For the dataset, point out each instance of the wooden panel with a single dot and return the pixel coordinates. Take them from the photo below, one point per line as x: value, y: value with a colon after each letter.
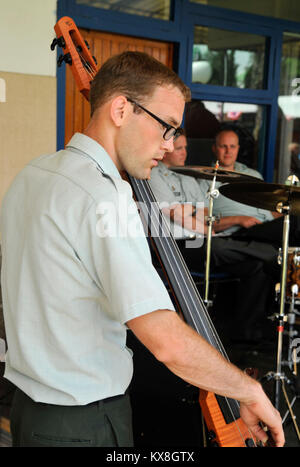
x: 104, y: 46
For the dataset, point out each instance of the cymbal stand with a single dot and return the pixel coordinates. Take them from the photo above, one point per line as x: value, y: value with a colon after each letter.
x: 279, y: 377
x: 212, y: 194
x: 284, y: 209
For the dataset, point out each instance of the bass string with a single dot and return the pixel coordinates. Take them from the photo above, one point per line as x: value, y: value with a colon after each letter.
x: 214, y: 340
x: 87, y: 66
x: 185, y: 278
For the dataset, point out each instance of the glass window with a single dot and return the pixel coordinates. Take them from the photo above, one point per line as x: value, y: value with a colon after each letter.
x: 155, y: 9
x: 283, y: 9
x: 288, y: 132
x: 228, y: 58
x: 204, y: 118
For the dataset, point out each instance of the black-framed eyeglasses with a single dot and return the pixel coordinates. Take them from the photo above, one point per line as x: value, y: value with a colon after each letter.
x: 171, y: 131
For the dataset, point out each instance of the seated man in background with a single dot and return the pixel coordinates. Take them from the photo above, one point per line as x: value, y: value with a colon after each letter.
x: 182, y: 193
x: 241, y: 259
x: 234, y: 215
x: 239, y: 220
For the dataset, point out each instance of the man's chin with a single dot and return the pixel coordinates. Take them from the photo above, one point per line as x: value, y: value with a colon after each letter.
x: 142, y: 176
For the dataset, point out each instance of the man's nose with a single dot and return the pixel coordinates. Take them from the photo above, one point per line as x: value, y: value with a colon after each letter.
x: 168, y: 145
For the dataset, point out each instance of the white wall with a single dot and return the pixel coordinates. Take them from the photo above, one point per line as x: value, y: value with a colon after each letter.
x: 26, y: 32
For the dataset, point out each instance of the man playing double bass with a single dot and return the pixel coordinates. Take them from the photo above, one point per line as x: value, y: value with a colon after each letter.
x: 70, y: 291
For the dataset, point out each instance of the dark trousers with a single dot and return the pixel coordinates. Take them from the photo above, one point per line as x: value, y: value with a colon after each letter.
x: 271, y: 232
x: 243, y: 259
x: 105, y: 423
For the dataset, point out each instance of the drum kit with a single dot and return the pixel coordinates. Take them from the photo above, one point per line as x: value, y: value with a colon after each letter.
x: 284, y: 199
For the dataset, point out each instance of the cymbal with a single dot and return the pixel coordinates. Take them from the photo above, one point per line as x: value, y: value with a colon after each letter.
x: 208, y: 173
x: 264, y: 195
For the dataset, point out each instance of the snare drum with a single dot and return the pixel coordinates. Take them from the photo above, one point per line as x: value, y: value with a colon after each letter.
x: 293, y: 271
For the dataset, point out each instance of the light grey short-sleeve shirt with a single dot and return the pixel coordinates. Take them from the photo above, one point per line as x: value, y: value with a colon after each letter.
x: 171, y: 187
x: 73, y: 274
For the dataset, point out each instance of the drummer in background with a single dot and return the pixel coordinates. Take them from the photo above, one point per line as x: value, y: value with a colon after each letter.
x: 234, y: 215
x: 243, y: 222
x: 241, y: 259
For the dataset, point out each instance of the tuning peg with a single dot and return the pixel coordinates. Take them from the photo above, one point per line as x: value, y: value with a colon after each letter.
x: 68, y: 59
x: 60, y: 42
x: 64, y: 58
x: 87, y: 44
x: 60, y: 60
x: 54, y: 44
x: 95, y: 60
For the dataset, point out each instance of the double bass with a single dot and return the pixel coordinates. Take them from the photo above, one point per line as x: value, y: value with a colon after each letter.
x: 221, y: 414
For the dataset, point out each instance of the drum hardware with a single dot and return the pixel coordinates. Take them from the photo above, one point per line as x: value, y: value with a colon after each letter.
x: 290, y: 319
x: 262, y: 195
x: 279, y: 377
x: 291, y: 362
x: 270, y: 376
x: 215, y: 174
x: 292, y: 295
x: 297, y: 260
x: 212, y: 193
x: 281, y: 317
x: 208, y: 173
x: 285, y: 199
x: 294, y: 251
x: 292, y: 333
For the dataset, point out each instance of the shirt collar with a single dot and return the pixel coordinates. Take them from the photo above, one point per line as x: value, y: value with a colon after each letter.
x: 239, y: 167
x: 90, y: 148
x: 163, y: 168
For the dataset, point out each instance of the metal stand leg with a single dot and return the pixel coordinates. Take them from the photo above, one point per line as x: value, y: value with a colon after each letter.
x: 290, y: 410
x: 212, y: 194
x: 281, y: 316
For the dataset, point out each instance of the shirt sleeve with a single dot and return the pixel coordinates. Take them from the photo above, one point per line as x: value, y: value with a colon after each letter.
x: 122, y: 259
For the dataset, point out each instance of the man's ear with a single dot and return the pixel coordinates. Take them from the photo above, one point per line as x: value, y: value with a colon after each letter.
x: 119, y: 110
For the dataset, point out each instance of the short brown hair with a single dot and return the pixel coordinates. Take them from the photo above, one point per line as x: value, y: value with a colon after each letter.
x: 134, y: 74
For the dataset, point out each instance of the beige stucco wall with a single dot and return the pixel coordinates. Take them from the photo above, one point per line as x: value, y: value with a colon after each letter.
x: 28, y: 72
x: 27, y: 122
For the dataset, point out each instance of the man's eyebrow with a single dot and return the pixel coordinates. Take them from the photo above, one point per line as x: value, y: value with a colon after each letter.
x: 173, y: 122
